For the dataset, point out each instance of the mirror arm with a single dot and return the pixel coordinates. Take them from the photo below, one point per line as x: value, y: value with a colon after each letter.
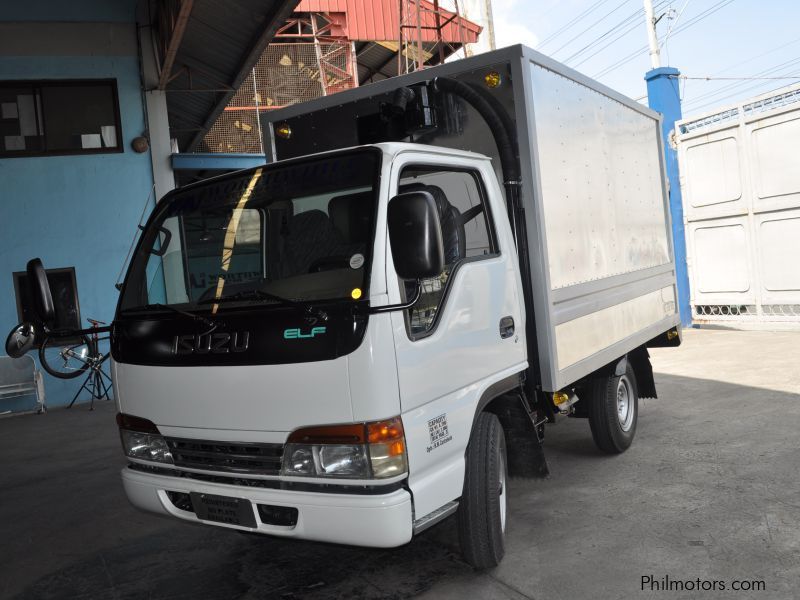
x: 165, y: 244
x: 401, y: 306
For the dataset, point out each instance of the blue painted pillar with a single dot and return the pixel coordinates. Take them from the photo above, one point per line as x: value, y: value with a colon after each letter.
x: 663, y: 96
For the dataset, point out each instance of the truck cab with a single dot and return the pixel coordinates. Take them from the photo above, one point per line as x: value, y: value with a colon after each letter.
x: 276, y: 373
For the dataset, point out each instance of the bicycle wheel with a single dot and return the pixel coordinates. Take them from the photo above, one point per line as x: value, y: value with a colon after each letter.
x: 65, y: 358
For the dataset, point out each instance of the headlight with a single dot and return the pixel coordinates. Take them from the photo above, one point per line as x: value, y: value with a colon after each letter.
x: 141, y: 439
x: 327, y: 460
x: 145, y: 446
x: 359, y: 451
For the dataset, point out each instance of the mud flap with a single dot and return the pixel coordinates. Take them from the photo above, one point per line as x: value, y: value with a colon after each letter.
x: 537, y: 462
x: 527, y: 458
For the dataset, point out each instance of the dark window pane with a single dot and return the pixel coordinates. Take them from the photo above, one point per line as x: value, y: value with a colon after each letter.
x: 20, y: 116
x: 465, y: 232
x: 79, y: 117
x: 58, y: 117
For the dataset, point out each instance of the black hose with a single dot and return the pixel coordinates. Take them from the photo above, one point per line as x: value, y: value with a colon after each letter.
x: 504, y: 132
x: 497, y: 125
x: 402, y: 96
x: 501, y: 111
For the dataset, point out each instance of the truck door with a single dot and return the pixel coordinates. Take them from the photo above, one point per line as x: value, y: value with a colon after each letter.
x: 465, y: 334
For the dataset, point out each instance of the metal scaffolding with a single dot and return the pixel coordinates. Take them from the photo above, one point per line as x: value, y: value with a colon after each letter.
x: 421, y: 34
x: 315, y: 54
x: 287, y: 73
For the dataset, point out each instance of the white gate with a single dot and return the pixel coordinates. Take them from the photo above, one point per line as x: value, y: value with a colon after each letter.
x: 740, y: 181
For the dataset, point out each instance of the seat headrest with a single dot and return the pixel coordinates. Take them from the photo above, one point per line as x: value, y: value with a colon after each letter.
x: 309, y: 220
x: 351, y: 214
x: 442, y: 204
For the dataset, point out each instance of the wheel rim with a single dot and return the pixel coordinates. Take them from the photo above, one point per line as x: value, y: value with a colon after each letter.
x: 502, y: 496
x: 625, y: 407
x: 67, y: 358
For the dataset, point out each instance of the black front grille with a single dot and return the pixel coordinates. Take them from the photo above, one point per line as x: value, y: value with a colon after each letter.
x: 181, y: 500
x: 236, y: 457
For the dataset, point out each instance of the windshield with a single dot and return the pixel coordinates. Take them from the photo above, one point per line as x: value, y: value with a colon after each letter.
x: 286, y: 234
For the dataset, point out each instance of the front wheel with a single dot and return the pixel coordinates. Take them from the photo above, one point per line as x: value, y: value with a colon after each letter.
x: 65, y: 358
x: 614, y: 411
x: 483, y: 506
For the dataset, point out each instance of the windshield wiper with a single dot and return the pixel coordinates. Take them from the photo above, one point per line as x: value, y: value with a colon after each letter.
x: 195, y: 317
x: 254, y: 294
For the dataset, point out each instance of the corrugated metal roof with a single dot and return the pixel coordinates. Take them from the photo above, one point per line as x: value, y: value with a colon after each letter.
x: 221, y: 44
x: 376, y: 61
x: 378, y: 20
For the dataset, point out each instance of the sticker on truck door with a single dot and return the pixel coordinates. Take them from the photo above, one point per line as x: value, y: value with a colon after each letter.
x: 356, y: 261
x: 438, y: 431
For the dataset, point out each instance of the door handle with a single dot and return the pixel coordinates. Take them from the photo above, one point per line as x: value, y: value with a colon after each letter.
x: 506, y: 327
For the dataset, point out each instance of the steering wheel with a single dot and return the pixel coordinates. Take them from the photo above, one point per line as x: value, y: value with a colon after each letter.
x: 328, y: 263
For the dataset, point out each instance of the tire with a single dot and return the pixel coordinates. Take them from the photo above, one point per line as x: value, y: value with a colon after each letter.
x: 482, y: 510
x: 614, y: 411
x: 58, y: 356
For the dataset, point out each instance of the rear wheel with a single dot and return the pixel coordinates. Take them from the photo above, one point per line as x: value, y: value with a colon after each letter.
x: 614, y: 411
x: 483, y: 506
x: 65, y: 358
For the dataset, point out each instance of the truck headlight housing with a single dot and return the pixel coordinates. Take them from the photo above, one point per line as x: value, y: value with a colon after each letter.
x: 360, y: 451
x: 141, y: 439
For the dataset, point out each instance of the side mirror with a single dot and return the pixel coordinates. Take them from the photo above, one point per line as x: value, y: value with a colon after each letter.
x: 415, y: 235
x: 20, y: 340
x: 40, y: 290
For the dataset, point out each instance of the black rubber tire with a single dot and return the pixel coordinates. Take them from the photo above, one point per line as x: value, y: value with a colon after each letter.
x: 52, y: 369
x: 481, y: 533
x: 607, y: 431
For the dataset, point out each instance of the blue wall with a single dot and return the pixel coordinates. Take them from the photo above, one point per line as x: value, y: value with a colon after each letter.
x: 74, y: 211
x: 119, y: 11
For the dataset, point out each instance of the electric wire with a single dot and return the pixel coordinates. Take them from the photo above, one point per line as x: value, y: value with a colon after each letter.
x: 631, y: 23
x: 737, y: 89
x: 643, y: 50
x: 738, y: 93
x: 547, y: 11
x: 738, y: 64
x: 726, y: 91
x: 768, y: 72
x: 690, y: 23
x: 664, y: 43
x: 672, y: 25
x: 750, y: 78
x: 629, y: 29
x: 592, y: 26
x: 571, y: 23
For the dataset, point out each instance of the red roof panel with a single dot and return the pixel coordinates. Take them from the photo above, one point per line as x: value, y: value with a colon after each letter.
x: 377, y: 20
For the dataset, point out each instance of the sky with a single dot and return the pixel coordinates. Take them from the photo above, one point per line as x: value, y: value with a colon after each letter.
x: 735, y: 39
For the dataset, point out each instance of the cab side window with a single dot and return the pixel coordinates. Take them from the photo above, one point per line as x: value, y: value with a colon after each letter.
x: 467, y: 233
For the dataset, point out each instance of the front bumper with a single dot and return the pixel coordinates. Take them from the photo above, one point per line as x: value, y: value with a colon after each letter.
x: 381, y: 521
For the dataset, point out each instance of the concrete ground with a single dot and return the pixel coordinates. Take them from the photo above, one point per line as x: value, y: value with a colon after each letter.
x: 710, y: 490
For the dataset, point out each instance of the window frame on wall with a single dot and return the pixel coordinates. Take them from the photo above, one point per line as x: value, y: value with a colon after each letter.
x: 491, y: 233
x: 36, y: 86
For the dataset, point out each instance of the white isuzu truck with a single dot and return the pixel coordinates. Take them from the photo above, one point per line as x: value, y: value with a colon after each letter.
x: 370, y: 332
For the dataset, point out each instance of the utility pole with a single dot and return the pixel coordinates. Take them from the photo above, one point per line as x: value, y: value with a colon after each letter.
x: 663, y: 96
x: 488, y: 18
x: 650, y: 21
